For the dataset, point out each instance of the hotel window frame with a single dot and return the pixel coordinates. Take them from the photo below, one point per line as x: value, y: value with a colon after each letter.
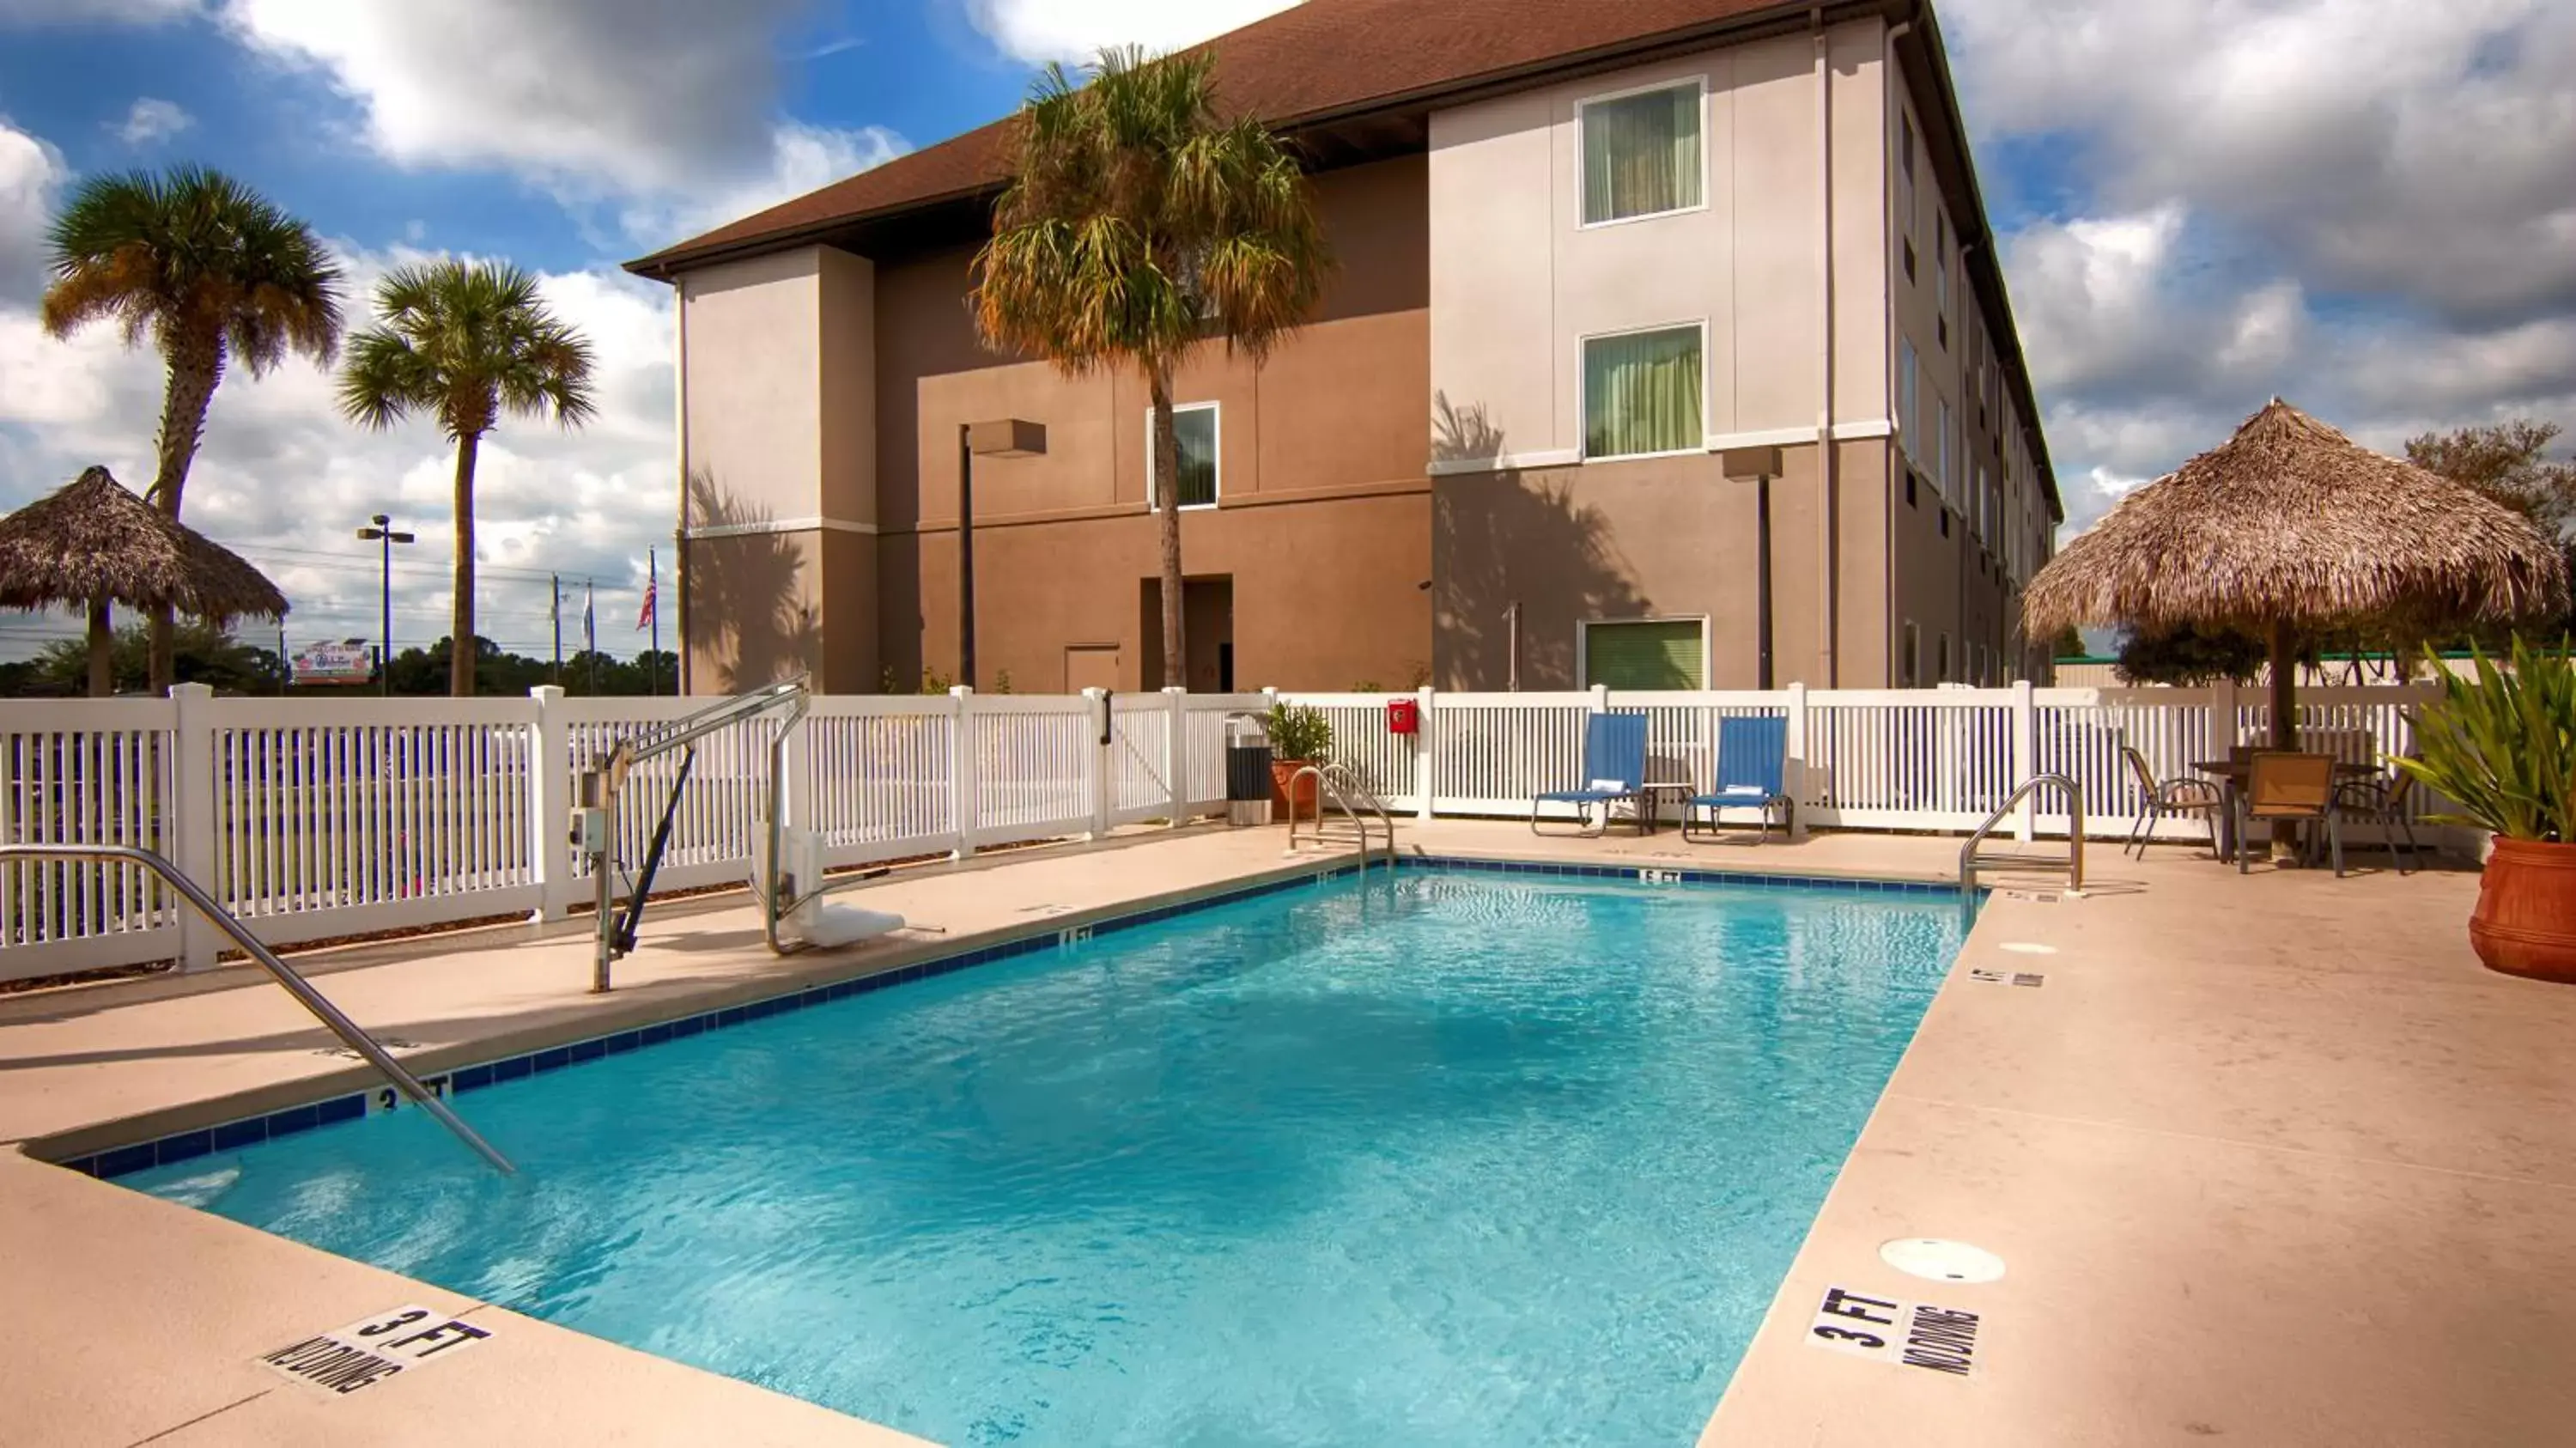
x: 1216, y: 459
x: 1583, y: 392
x: 1698, y: 85
x: 1583, y: 642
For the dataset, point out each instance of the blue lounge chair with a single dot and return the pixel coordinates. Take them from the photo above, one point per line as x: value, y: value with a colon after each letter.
x: 1752, y: 754
x: 1614, y: 768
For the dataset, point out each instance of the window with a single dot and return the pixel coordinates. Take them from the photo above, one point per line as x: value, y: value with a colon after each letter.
x: 1195, y: 427
x: 1641, y: 154
x: 1909, y: 658
x: 1944, y: 658
x: 1908, y: 396
x: 1905, y: 185
x: 1941, y: 477
x: 1641, y: 393
x: 1985, y: 504
x: 1646, y: 654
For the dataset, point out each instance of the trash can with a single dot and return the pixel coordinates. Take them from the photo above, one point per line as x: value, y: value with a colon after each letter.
x: 1247, y: 770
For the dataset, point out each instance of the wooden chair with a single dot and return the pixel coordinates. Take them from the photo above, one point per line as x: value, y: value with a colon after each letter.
x: 2289, y: 787
x: 2180, y: 797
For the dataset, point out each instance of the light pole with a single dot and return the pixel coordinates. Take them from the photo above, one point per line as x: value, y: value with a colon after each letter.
x: 1007, y: 437
x: 383, y: 532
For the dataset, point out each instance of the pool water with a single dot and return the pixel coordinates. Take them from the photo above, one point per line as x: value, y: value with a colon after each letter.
x: 1426, y: 1159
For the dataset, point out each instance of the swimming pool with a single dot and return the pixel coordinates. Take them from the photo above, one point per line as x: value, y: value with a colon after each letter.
x: 1436, y: 1158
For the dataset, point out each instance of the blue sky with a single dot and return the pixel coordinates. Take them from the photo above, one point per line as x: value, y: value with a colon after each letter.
x: 2365, y: 205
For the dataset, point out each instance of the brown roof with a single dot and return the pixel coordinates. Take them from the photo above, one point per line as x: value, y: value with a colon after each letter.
x: 1309, y: 63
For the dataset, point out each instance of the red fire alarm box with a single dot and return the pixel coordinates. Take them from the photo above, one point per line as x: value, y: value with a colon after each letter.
x: 1403, y: 716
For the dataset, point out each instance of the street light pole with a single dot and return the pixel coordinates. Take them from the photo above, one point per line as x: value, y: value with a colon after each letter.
x: 383, y: 532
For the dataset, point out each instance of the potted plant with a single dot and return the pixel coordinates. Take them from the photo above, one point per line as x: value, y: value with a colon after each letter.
x: 2503, y: 745
x: 1300, y: 735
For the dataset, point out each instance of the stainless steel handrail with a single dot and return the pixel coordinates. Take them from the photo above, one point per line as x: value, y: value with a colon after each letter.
x: 349, y: 1031
x: 1328, y: 783
x: 2075, y: 834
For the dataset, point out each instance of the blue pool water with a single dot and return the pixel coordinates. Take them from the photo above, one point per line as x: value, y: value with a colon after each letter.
x: 1436, y: 1159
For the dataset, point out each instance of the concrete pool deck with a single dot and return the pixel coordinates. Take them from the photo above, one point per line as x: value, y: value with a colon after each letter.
x: 2268, y: 1158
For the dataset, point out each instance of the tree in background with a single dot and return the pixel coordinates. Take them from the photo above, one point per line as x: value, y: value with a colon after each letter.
x: 211, y: 272
x: 465, y: 343
x: 1138, y: 222
x: 2191, y: 657
x: 200, y: 654
x: 2509, y: 462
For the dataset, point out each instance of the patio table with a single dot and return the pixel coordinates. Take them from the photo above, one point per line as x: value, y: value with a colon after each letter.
x: 2231, y: 775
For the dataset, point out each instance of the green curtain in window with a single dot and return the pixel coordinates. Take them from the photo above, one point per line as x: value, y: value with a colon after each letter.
x: 1196, y: 432
x: 1651, y: 655
x: 1641, y: 393
x: 1641, y: 154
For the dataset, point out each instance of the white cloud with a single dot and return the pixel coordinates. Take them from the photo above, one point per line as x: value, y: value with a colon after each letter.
x: 801, y: 159
x: 31, y: 172
x: 285, y: 480
x: 150, y: 121
x: 1074, y: 30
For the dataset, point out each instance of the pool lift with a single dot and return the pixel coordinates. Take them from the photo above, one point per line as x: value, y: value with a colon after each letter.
x: 786, y: 865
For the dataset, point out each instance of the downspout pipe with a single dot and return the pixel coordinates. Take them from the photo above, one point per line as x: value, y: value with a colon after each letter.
x: 1828, y: 470
x: 1891, y: 96
x: 680, y: 428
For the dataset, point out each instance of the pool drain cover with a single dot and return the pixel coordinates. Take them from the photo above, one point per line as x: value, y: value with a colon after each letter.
x: 1941, y: 1261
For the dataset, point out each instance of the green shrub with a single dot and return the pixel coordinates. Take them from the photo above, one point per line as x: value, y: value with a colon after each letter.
x: 1299, y: 731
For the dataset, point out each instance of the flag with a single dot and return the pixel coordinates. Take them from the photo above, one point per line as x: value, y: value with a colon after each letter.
x: 644, y: 619
x: 589, y: 620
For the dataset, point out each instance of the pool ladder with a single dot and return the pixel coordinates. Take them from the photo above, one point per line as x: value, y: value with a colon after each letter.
x: 1972, y: 858
x: 1339, y: 784
x: 350, y: 1032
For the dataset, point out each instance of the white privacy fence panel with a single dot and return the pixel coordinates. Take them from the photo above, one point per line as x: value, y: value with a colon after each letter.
x: 1491, y: 752
x: 719, y: 808
x: 343, y: 816
x: 1140, y: 757
x: 878, y: 777
x: 1033, y: 768
x: 90, y: 771
x: 1203, y: 726
x: 1910, y: 758
x: 1363, y: 745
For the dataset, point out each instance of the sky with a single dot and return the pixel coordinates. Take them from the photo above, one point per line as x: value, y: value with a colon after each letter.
x: 2367, y: 206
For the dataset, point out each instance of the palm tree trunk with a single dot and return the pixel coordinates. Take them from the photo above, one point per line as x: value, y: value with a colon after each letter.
x: 102, y: 651
x: 1167, y: 494
x: 462, y: 654
x: 195, y: 365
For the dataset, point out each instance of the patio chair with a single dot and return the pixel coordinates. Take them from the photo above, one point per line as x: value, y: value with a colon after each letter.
x: 1614, y: 768
x: 2382, y: 801
x: 1752, y: 754
x: 2179, y: 797
x: 2289, y: 787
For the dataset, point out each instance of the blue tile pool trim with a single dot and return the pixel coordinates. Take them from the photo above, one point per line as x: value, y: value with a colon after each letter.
x: 234, y: 1135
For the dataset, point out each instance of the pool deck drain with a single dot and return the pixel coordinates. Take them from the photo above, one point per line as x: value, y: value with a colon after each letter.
x: 2271, y: 1158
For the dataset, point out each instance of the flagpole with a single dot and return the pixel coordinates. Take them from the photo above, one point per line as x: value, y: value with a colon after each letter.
x: 590, y: 630
x: 653, y: 593
x: 555, y: 580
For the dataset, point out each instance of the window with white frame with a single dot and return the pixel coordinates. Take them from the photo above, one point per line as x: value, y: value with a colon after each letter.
x: 1194, y: 425
x: 1642, y: 392
x: 1642, y: 154
x: 1645, y: 653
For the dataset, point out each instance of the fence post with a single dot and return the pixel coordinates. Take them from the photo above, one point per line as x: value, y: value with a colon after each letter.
x: 192, y: 788
x: 1177, y: 768
x: 2222, y: 718
x: 550, y: 806
x: 1600, y: 698
x: 1797, y: 780
x: 1425, y: 774
x: 797, y: 798
x: 2025, y: 755
x: 962, y: 786
x: 1104, y: 761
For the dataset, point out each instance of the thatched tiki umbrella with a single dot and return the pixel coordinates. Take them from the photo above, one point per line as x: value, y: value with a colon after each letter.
x: 94, y: 544
x: 2289, y: 529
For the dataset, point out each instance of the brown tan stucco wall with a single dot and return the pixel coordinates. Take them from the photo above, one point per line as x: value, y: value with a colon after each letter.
x: 1323, y: 516
x: 755, y: 605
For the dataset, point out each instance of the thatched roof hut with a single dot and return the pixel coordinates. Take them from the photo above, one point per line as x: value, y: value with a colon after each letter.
x: 2290, y: 528
x: 93, y: 543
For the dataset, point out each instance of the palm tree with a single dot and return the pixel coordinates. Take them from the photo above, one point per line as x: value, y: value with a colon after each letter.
x: 1138, y: 222
x: 211, y: 272
x: 465, y: 342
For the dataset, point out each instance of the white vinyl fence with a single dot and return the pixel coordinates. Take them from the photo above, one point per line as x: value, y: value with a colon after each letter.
x: 1894, y: 759
x: 319, y: 818
x: 313, y: 819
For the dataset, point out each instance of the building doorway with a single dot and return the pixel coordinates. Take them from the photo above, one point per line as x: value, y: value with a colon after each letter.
x: 1207, y: 632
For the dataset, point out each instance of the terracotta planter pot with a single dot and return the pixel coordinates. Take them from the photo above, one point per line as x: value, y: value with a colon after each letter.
x: 1281, y: 808
x: 2525, y: 923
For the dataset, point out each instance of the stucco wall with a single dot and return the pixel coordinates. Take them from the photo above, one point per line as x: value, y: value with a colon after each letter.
x: 1517, y: 280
